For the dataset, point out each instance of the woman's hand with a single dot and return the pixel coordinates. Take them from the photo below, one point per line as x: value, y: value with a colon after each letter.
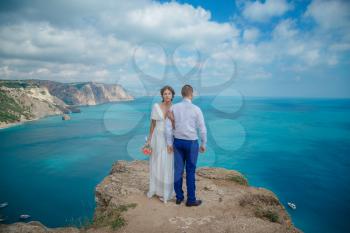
x: 170, y: 115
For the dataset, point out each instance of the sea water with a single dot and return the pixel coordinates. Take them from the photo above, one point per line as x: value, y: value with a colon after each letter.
x: 298, y: 148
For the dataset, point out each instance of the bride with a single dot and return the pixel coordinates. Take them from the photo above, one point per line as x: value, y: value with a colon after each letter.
x: 161, y: 163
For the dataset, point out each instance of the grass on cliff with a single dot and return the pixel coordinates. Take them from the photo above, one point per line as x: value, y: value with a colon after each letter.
x: 16, y: 84
x: 264, y: 206
x: 10, y: 110
x: 270, y: 215
x: 238, y: 179
x: 111, y: 217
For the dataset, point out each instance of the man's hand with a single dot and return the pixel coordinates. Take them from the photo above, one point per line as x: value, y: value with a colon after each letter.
x: 170, y: 149
x: 202, y: 149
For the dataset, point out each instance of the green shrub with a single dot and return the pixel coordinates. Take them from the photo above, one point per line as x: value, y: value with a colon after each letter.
x: 272, y: 216
x: 112, y: 217
x: 238, y: 179
x: 10, y: 110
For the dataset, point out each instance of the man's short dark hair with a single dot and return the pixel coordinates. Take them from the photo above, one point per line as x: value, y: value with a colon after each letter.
x: 186, y: 90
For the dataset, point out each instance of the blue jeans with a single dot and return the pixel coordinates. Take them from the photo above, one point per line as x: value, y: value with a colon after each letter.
x: 185, y: 153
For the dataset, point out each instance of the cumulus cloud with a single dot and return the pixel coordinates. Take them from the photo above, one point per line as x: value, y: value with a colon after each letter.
x: 175, y: 23
x: 41, y: 41
x: 262, y: 12
x: 251, y: 34
x: 87, y: 40
x: 333, y: 14
x: 87, y: 33
x: 332, y: 19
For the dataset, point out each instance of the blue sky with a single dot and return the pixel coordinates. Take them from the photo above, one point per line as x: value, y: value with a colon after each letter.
x: 280, y: 47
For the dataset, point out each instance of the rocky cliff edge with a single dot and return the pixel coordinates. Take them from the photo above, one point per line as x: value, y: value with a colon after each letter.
x: 229, y: 205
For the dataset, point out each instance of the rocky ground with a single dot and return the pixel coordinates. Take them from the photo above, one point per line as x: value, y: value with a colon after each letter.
x: 229, y: 205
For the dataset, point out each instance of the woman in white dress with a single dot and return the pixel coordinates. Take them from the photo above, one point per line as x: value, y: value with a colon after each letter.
x: 161, y: 163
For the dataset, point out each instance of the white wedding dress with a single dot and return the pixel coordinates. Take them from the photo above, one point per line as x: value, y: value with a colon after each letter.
x: 161, y: 163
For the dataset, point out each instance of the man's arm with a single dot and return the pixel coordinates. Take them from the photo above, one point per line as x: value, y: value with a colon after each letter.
x: 202, y: 129
x: 169, y: 135
x: 169, y: 132
x: 170, y: 115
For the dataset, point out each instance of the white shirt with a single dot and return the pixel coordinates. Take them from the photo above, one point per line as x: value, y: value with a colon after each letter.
x: 188, y: 117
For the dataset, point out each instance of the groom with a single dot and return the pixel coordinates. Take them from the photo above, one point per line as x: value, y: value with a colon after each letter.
x: 183, y: 140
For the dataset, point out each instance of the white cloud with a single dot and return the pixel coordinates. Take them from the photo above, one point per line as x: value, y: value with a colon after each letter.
x: 340, y: 47
x: 27, y: 69
x: 330, y: 14
x: 285, y: 29
x: 333, y: 60
x: 93, y: 41
x: 90, y: 38
x: 176, y: 24
x: 41, y: 41
x: 249, y: 53
x: 260, y: 75
x: 251, y: 34
x: 331, y: 33
x: 262, y: 12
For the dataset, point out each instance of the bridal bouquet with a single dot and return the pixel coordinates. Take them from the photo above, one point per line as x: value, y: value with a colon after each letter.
x: 147, y: 149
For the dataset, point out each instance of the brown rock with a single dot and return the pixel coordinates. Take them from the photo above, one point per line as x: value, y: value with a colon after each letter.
x: 65, y: 117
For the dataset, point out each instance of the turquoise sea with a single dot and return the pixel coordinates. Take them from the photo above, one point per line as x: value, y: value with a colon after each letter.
x: 297, y: 147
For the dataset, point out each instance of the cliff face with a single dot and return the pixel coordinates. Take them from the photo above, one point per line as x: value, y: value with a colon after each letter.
x: 23, y: 100
x: 85, y: 93
x: 23, y: 104
x: 229, y: 205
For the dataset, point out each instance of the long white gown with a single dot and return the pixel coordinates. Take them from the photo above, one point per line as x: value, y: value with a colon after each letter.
x: 161, y: 163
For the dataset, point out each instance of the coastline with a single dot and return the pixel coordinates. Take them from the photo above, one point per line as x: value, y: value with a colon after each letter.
x: 13, y: 124
x: 27, y: 100
x: 4, y: 125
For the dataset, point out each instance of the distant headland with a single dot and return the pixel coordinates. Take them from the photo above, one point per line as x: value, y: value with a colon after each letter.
x: 27, y: 100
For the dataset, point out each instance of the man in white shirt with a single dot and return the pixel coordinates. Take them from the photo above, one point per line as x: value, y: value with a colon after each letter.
x: 183, y: 140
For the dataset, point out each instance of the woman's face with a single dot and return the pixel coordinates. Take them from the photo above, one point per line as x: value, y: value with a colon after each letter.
x: 167, y: 95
